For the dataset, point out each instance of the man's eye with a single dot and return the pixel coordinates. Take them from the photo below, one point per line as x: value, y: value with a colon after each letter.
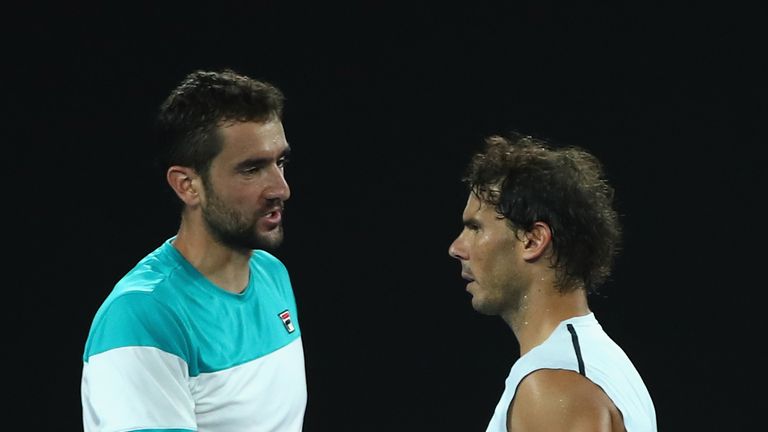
x: 283, y: 162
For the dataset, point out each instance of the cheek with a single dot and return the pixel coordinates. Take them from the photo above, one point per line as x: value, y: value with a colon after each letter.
x: 482, y: 258
x: 242, y: 195
x: 492, y: 258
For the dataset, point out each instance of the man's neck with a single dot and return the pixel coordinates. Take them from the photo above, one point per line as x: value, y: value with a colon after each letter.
x: 225, y: 267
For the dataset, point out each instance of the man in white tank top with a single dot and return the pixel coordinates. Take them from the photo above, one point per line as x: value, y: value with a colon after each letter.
x: 540, y: 232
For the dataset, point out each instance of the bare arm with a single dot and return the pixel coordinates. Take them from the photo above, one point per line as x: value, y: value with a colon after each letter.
x: 561, y: 400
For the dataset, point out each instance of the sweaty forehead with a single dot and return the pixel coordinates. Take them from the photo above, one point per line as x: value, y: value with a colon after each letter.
x: 476, y: 206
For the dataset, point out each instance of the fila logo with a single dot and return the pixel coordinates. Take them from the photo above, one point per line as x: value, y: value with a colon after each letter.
x: 285, y: 316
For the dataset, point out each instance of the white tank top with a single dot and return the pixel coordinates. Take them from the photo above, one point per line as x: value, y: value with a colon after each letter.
x: 580, y: 344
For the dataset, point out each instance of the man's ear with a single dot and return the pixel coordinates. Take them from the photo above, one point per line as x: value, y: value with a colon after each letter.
x: 536, y: 242
x: 185, y: 182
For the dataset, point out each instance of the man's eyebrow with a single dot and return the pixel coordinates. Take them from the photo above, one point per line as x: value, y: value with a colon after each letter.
x: 260, y: 162
x: 252, y: 163
x: 468, y: 221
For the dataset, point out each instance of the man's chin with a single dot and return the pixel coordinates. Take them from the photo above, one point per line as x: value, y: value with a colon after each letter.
x: 483, y: 306
x: 271, y: 240
x: 266, y: 241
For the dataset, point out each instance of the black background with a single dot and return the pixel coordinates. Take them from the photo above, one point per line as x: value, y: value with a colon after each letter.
x: 385, y: 103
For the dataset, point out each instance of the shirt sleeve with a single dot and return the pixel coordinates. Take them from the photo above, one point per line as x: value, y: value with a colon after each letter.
x: 135, y: 371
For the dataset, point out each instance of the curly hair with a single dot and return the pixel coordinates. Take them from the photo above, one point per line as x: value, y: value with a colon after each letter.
x: 528, y: 180
x: 189, y: 118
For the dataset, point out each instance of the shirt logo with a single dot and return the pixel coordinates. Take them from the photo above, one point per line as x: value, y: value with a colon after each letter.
x: 285, y: 316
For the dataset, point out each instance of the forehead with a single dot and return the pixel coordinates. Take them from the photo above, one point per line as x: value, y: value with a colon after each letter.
x: 477, y: 208
x: 250, y: 139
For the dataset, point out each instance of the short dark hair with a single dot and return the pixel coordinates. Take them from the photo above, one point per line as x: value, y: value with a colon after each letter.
x: 529, y: 180
x: 189, y: 117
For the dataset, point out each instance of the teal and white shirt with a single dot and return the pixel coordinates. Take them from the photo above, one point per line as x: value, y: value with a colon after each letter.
x: 170, y: 351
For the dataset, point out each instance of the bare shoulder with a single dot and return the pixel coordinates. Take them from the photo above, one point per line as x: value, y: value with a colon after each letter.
x: 562, y: 400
